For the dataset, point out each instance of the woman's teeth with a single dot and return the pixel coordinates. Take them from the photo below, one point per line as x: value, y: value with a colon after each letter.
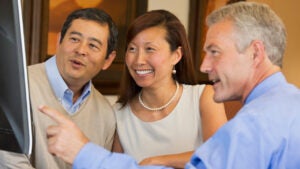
x: 142, y: 72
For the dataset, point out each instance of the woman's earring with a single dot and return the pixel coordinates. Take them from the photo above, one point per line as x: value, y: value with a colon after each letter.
x: 174, y: 71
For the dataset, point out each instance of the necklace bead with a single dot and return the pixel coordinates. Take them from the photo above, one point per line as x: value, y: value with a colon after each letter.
x: 162, y: 107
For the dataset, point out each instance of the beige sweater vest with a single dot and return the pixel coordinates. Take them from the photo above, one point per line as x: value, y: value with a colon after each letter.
x: 95, y: 118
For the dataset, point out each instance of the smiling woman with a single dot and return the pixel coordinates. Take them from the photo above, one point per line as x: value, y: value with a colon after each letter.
x: 42, y: 20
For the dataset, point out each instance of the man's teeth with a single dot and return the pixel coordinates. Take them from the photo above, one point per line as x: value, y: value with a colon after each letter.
x: 142, y: 72
x: 215, y: 81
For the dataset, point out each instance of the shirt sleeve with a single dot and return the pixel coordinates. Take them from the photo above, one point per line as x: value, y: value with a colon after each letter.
x: 92, y: 156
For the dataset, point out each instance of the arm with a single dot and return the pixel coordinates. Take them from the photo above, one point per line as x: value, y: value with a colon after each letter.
x: 213, y: 114
x: 93, y: 156
x: 65, y: 140
x: 173, y: 160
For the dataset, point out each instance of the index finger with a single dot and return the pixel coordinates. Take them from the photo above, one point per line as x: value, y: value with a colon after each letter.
x: 53, y: 114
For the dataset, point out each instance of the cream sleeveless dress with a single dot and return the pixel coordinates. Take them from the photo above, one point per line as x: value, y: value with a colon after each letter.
x: 178, y: 132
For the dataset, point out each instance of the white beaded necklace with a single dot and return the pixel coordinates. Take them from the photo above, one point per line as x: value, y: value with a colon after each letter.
x: 162, y: 107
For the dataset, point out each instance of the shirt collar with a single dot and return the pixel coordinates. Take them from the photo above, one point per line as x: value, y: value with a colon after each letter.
x: 57, y: 83
x: 271, y: 81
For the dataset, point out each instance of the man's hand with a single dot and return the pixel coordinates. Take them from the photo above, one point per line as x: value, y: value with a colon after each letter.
x: 64, y: 139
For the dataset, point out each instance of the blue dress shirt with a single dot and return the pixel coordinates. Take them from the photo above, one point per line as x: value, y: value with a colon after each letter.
x: 61, y: 90
x: 263, y: 135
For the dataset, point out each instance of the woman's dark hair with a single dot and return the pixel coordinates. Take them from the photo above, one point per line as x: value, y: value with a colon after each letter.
x: 175, y: 36
x: 98, y: 16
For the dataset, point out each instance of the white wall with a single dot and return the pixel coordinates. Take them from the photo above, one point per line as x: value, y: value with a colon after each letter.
x: 178, y: 7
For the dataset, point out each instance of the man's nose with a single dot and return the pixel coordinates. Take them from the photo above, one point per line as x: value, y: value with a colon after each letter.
x: 205, y: 66
x: 82, y: 48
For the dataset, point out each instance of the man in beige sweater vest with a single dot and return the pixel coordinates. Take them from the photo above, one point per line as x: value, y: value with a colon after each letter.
x: 86, y: 45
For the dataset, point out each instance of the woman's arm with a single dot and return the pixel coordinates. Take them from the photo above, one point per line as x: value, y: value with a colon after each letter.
x: 173, y: 160
x: 213, y: 114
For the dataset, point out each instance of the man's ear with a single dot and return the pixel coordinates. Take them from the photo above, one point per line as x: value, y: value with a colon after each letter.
x: 259, y: 52
x: 108, y: 61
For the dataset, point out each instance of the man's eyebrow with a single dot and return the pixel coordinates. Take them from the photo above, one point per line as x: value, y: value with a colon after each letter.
x: 210, y: 46
x: 91, y: 38
x: 206, y: 48
x: 75, y: 33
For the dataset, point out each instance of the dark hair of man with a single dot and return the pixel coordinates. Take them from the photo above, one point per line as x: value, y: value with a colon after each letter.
x: 175, y: 36
x: 97, y: 15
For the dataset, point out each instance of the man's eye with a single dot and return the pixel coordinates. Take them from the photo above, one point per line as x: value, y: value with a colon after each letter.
x: 214, y: 52
x: 74, y: 39
x: 93, y: 46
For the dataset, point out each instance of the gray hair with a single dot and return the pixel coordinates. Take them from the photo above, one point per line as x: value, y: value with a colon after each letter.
x: 254, y: 21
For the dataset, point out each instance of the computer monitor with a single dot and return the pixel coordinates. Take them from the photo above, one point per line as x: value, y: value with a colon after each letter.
x: 15, y: 111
